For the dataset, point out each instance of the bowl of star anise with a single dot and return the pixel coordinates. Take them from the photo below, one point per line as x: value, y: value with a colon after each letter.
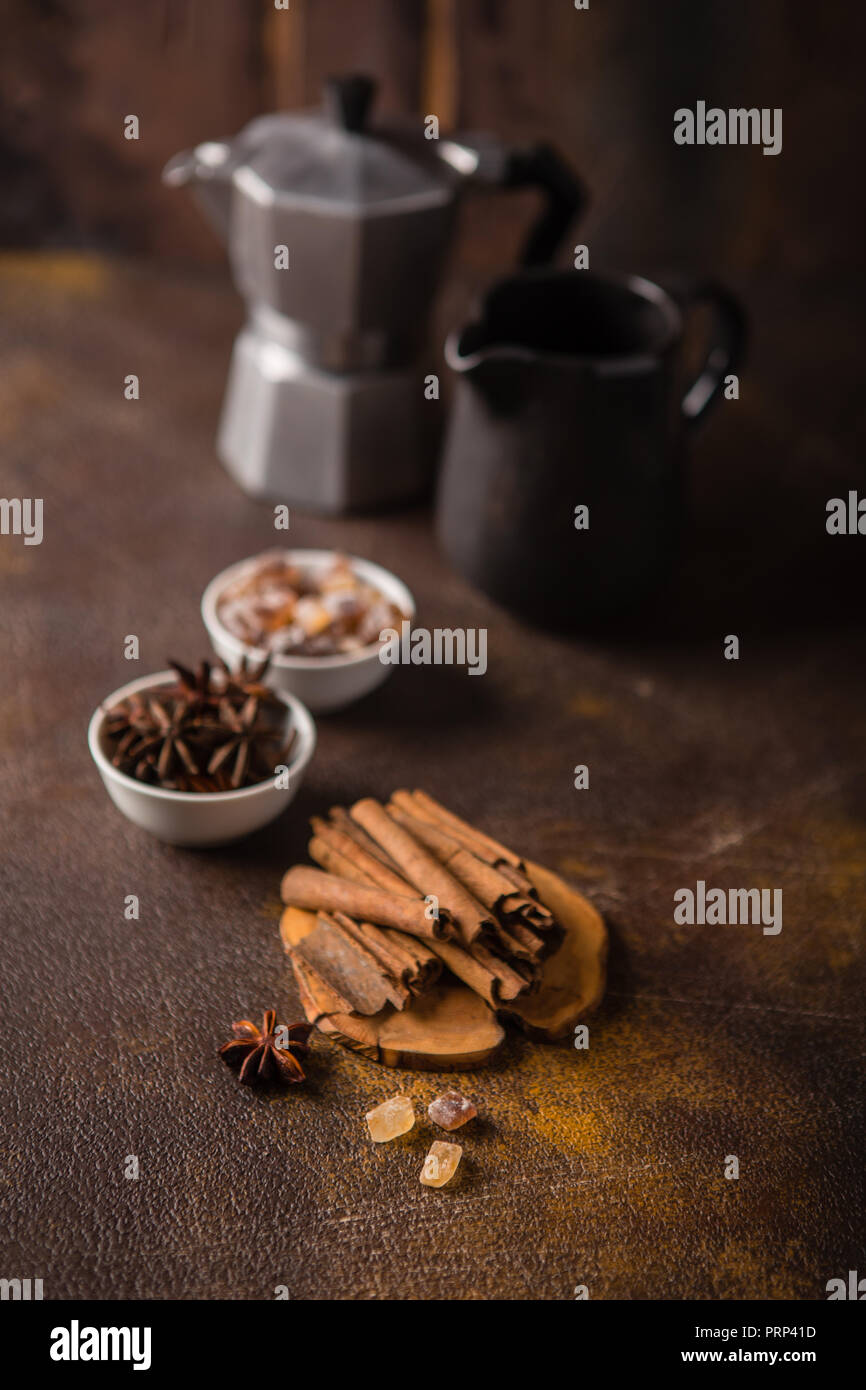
x: 202, y: 756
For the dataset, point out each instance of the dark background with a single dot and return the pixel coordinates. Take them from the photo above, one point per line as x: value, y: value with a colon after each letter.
x: 603, y: 1167
x: 786, y: 232
x: 603, y: 89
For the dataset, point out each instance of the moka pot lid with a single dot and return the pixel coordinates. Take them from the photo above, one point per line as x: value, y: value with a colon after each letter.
x: 329, y: 160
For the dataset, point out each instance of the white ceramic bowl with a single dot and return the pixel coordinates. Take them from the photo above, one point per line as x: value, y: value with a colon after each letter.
x: 198, y: 818
x: 322, y: 682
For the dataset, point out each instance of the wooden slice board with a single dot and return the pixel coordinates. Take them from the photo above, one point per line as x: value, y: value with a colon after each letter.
x: 451, y: 1028
x: 572, y: 980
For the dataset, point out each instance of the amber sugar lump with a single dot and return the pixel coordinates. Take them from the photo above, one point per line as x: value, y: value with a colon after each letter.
x: 391, y: 1119
x: 441, y: 1163
x: 451, y: 1110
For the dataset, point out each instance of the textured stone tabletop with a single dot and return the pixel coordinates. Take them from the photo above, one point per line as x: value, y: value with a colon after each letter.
x: 602, y: 1167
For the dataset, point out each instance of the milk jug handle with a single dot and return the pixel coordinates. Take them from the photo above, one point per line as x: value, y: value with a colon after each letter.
x: 725, y: 350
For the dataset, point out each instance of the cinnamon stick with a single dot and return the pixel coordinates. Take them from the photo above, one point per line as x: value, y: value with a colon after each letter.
x: 423, y: 870
x: 407, y: 962
x: 443, y: 845
x: 341, y: 820
x: 489, y: 885
x: 483, y: 845
x: 520, y: 942
x: 509, y: 982
x: 500, y: 894
x: 334, y: 862
x: 320, y: 892
x: 318, y: 998
x: 477, y: 968
x: 349, y: 849
x: 422, y: 968
x: 405, y: 958
x: 339, y: 956
x: 521, y: 880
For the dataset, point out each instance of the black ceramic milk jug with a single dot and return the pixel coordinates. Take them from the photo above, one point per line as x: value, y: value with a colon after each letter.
x: 560, y: 488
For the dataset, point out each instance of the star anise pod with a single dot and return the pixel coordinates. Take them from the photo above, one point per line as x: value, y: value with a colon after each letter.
x: 129, y: 724
x: 247, y: 680
x: 194, y: 687
x: 269, y: 1052
x: 168, y: 743
x: 146, y: 736
x: 246, y: 740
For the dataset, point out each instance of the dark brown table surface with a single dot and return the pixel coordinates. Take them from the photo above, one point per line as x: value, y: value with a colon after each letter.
x: 603, y: 1168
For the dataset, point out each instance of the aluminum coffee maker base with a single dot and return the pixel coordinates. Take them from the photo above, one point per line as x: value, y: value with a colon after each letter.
x: 328, y: 442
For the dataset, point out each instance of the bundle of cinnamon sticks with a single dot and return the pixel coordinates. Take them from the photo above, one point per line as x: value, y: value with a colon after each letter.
x: 402, y: 891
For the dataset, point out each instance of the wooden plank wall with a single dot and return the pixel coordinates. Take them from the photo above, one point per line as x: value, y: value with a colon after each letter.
x: 601, y: 84
x: 70, y: 70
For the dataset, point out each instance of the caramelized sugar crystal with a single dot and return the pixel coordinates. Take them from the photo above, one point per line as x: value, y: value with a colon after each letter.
x: 440, y: 1165
x: 451, y: 1110
x: 390, y: 1119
